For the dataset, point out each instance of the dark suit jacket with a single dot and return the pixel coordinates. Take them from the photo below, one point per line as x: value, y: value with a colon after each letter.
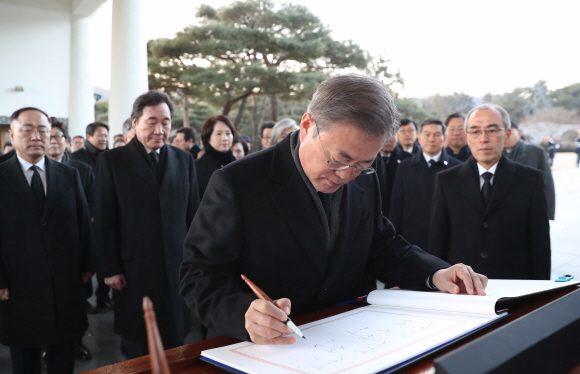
x: 508, y: 239
x: 87, y: 177
x: 386, y: 172
x: 535, y: 156
x: 140, y: 224
x: 42, y: 256
x: 206, y: 165
x: 416, y: 148
x: 7, y: 156
x: 463, y: 154
x: 412, y: 194
x: 88, y: 155
x: 194, y: 151
x: 258, y: 218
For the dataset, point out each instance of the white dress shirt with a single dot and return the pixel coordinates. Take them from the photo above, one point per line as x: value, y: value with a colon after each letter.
x: 436, y: 158
x: 29, y: 172
x: 483, y: 170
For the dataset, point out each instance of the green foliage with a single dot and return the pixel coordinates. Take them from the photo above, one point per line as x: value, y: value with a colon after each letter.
x: 567, y: 97
x: 440, y: 106
x: 409, y: 108
x: 102, y: 111
x: 250, y: 47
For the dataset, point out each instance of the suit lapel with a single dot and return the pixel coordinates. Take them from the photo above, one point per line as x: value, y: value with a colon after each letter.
x: 470, y: 183
x: 54, y: 180
x: 15, y: 178
x: 296, y: 208
x: 503, y: 181
x: 139, y: 165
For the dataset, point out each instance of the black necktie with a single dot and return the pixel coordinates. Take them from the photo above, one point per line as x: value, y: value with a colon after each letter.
x: 37, y: 188
x: 486, y: 190
x: 432, y: 162
x: 155, y: 158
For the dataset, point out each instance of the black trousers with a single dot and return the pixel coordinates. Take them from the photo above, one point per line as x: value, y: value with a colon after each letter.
x: 133, y: 349
x: 60, y: 359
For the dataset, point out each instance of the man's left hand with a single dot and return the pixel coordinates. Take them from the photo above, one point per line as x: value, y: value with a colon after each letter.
x: 460, y: 278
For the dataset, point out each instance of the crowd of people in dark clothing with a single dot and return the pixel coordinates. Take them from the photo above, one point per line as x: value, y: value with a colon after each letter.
x: 72, y: 208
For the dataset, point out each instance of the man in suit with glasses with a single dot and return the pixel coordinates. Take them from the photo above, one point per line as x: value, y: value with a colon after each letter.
x: 45, y: 250
x: 308, y: 228
x: 491, y: 212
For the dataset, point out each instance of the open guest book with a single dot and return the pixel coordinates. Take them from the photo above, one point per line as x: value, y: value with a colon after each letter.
x: 397, y: 328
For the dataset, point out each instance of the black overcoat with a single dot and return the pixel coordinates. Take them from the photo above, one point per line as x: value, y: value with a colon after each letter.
x: 258, y: 218
x: 42, y: 257
x: 536, y: 157
x: 507, y: 239
x: 141, y: 223
x: 412, y: 193
x: 386, y: 172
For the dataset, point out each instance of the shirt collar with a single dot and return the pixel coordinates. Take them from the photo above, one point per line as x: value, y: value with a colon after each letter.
x: 26, y: 165
x: 158, y: 151
x: 482, y: 170
x: 436, y: 158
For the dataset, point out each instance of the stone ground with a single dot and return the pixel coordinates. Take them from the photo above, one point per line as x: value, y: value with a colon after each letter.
x: 564, y: 230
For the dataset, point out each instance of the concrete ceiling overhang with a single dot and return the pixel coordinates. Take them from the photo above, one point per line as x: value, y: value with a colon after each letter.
x: 80, y: 8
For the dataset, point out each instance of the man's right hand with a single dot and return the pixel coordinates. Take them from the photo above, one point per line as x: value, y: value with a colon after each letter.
x: 4, y: 294
x: 265, y: 322
x: 117, y: 282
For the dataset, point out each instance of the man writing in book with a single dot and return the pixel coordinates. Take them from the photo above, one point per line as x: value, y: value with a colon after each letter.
x: 491, y: 212
x: 309, y: 229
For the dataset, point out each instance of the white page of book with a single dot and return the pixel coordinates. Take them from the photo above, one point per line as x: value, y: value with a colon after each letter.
x: 434, y: 301
x: 364, y: 340
x: 517, y: 288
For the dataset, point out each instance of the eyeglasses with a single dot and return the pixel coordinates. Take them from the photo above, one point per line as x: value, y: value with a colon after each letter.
x: 475, y: 134
x: 29, y: 130
x: 57, y: 137
x: 338, y: 165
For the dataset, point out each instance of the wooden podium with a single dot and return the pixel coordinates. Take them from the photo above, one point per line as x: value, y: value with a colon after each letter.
x: 186, y: 359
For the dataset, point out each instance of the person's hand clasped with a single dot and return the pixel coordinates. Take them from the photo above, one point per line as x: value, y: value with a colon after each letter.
x: 4, y: 294
x: 460, y: 278
x: 117, y: 282
x: 265, y: 322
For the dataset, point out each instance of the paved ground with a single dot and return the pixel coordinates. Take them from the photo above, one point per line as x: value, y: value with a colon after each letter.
x: 565, y: 235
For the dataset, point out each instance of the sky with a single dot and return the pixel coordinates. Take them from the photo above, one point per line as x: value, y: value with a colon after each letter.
x: 438, y: 46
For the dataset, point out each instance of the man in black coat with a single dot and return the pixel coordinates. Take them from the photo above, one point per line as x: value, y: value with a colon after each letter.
x: 535, y: 157
x: 288, y: 218
x: 386, y: 165
x: 456, y: 138
x: 407, y: 136
x: 145, y: 198
x: 97, y: 142
x: 415, y: 182
x: 491, y: 212
x: 185, y: 139
x: 57, y: 151
x: 45, y: 250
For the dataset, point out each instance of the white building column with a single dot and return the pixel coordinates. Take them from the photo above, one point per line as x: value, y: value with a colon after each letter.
x: 128, y: 61
x: 81, y: 98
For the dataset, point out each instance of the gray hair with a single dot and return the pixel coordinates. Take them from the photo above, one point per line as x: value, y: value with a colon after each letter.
x: 504, y: 115
x: 357, y: 100
x: 127, y: 126
x: 282, y: 125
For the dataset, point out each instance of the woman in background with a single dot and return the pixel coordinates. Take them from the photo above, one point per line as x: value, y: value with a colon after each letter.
x: 239, y: 147
x: 217, y: 134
